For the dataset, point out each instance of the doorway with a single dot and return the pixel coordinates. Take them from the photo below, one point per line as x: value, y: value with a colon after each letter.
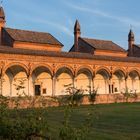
x: 37, y: 90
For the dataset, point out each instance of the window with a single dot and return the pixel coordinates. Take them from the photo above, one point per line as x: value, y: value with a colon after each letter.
x: 44, y: 91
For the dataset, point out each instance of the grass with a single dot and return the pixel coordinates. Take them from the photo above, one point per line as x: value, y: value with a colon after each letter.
x: 110, y: 122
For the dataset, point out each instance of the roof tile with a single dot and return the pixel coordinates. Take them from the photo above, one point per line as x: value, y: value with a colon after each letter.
x: 32, y: 37
x: 103, y: 44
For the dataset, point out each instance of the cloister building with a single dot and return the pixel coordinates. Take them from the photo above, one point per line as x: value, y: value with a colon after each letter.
x: 35, y: 63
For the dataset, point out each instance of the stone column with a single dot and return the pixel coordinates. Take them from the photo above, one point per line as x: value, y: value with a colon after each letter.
x: 29, y: 84
x: 73, y: 81
x: 11, y: 87
x: 139, y: 85
x: 110, y: 85
x: 1, y: 84
x: 132, y: 83
x: 92, y: 84
x: 53, y: 85
x: 1, y: 80
x: 126, y: 82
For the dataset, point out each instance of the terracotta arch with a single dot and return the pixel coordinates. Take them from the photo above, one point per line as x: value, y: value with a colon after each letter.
x: 64, y: 66
x: 104, y: 69
x: 16, y: 64
x: 42, y: 65
x: 121, y: 70
x: 87, y: 68
x: 136, y: 70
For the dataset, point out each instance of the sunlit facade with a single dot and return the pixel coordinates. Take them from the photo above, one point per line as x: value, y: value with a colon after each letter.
x: 33, y: 63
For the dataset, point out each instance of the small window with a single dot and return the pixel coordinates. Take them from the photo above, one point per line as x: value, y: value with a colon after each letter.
x: 109, y: 89
x: 44, y: 91
x: 116, y: 90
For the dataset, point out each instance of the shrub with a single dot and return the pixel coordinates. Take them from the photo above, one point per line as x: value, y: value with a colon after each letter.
x: 92, y: 95
x: 129, y: 94
x: 74, y: 97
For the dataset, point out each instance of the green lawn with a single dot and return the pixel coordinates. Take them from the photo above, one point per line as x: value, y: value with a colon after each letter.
x: 110, y: 122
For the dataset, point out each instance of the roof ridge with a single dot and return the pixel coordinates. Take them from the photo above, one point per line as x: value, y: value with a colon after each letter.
x: 95, y: 39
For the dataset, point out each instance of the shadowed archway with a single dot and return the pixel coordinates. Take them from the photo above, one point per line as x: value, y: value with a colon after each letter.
x: 101, y: 81
x: 15, y: 80
x: 41, y: 81
x: 64, y: 77
x: 83, y: 80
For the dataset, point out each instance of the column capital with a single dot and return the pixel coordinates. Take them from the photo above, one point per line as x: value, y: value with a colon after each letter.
x: 110, y: 76
x: 53, y: 76
x: 126, y: 77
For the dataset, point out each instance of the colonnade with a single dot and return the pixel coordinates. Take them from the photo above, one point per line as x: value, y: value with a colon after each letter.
x: 15, y: 81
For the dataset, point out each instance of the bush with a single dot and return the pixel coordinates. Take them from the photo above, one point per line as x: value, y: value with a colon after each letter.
x: 74, y: 96
x: 17, y: 126
x: 92, y: 95
x: 129, y: 94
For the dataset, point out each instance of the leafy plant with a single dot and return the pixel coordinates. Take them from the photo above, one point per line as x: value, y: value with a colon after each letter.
x: 92, y: 95
x: 74, y: 96
x: 20, y: 86
x: 129, y: 94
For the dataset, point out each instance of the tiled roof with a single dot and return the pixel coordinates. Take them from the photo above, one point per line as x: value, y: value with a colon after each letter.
x: 103, y: 44
x: 137, y: 45
x: 10, y: 50
x: 32, y: 37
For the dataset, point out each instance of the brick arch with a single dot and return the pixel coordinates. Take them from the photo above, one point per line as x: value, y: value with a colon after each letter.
x: 64, y: 66
x: 86, y: 68
x: 42, y: 65
x: 104, y: 69
x: 121, y: 70
x: 16, y: 64
x: 136, y: 70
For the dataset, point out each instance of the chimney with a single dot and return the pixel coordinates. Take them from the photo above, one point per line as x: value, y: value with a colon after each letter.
x: 2, y: 22
x: 131, y: 40
x: 77, y: 34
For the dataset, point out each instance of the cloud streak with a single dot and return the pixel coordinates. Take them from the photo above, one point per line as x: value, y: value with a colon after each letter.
x: 53, y: 24
x: 124, y: 20
x: 60, y: 27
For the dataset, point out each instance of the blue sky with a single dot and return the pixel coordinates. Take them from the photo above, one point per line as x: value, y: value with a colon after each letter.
x: 100, y: 19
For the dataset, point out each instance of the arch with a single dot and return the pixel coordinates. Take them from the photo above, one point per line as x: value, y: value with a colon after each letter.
x: 64, y: 69
x: 83, y: 79
x: 41, y: 80
x: 101, y: 80
x: 102, y: 71
x: 16, y: 64
x: 121, y: 70
x: 64, y: 76
x: 68, y: 67
x: 135, y: 71
x: 118, y: 80
x: 133, y: 80
x: 85, y: 68
x: 42, y: 65
x: 15, y: 76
